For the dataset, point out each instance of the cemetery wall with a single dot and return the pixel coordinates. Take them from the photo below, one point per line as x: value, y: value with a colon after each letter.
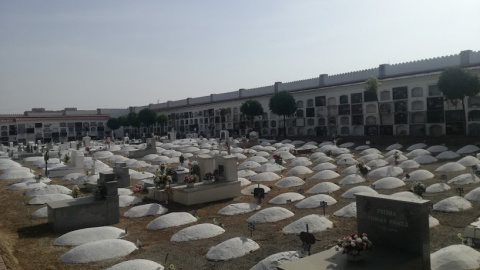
x: 225, y: 96
x: 301, y: 84
x: 354, y: 76
x: 199, y: 100
x: 259, y: 91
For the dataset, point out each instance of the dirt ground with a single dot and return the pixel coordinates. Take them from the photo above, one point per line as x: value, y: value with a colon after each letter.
x: 27, y: 243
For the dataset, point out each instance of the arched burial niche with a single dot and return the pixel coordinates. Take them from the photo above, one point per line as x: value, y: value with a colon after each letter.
x: 417, y: 92
x: 417, y: 105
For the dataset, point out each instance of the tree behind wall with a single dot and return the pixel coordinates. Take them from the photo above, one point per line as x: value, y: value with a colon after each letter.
x: 223, y: 113
x: 147, y: 117
x: 251, y: 108
x: 283, y: 103
x: 132, y: 120
x: 456, y: 84
x: 371, y: 86
x: 161, y: 119
x: 113, y: 124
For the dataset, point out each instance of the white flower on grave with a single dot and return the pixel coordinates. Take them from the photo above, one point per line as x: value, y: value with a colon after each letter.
x: 364, y: 238
x: 359, y: 240
x: 352, y: 244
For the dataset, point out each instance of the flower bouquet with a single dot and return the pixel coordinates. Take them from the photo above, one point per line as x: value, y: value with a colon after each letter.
x: 162, y: 177
x: 208, y: 178
x: 190, y: 179
x: 137, y: 188
x: 355, y: 244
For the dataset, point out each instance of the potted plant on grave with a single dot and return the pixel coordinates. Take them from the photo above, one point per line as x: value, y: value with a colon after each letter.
x: 75, y: 191
x: 419, y: 189
x: 190, y: 180
x: 356, y: 246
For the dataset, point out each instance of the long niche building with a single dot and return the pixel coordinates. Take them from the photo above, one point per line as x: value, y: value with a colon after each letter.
x: 409, y: 103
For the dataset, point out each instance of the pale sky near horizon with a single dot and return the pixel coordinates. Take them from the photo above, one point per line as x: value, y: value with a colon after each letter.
x: 116, y: 53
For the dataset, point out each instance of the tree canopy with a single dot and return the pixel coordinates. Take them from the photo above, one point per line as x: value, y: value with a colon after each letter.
x: 161, y: 119
x: 251, y: 108
x: 283, y: 103
x: 147, y: 116
x: 457, y: 83
x: 123, y: 121
x: 132, y: 119
x: 372, y: 84
x: 113, y: 123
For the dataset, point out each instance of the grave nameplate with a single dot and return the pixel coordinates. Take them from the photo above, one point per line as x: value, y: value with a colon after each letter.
x: 397, y: 223
x: 320, y: 101
x: 400, y: 92
x: 356, y: 98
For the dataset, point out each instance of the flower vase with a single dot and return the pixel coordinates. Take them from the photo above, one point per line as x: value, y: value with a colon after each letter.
x: 190, y: 185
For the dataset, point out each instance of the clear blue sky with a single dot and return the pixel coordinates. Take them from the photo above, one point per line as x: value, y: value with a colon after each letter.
x: 114, y: 53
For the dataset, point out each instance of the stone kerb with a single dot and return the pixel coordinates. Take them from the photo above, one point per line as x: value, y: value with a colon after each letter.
x: 397, y: 223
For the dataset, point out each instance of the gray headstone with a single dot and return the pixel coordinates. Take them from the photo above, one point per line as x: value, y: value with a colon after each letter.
x: 398, y: 223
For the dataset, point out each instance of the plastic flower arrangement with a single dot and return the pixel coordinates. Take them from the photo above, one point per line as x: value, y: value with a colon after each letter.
x: 162, y: 177
x: 278, y: 159
x: 355, y: 244
x: 75, y: 191
x: 190, y: 179
x: 209, y: 176
x: 137, y: 188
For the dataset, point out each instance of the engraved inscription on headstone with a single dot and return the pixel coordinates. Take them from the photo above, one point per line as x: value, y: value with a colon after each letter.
x: 396, y: 223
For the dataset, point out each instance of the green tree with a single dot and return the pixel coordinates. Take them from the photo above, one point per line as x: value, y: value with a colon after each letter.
x: 371, y: 86
x: 132, y: 119
x: 283, y: 103
x: 161, y: 119
x: 251, y: 108
x: 223, y: 113
x: 123, y: 121
x: 147, y: 117
x: 113, y: 124
x: 456, y: 84
x: 133, y: 123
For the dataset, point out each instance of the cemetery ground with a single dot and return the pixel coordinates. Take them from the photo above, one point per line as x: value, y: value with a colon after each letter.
x: 27, y: 243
